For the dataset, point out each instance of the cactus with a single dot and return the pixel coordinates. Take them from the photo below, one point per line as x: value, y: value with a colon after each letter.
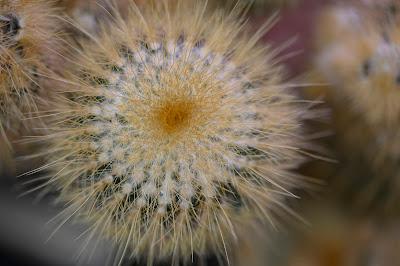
x: 176, y: 129
x: 27, y: 29
x: 362, y: 66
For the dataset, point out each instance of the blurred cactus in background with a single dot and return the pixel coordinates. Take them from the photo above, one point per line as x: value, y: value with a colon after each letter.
x: 28, y: 30
x: 358, y: 55
x: 29, y: 33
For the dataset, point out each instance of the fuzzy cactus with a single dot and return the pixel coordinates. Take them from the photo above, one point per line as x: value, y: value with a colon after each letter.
x: 27, y: 32
x: 176, y: 129
x: 362, y: 66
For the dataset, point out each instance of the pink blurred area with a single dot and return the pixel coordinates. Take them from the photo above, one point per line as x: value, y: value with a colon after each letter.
x: 295, y: 22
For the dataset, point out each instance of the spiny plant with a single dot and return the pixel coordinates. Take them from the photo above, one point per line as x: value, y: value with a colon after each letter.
x: 27, y: 29
x: 176, y: 129
x: 364, y: 70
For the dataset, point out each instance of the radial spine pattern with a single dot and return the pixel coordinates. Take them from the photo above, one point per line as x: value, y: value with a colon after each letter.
x: 180, y: 129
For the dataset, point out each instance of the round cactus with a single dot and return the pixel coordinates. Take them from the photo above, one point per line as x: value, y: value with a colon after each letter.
x: 374, y: 96
x: 26, y: 31
x: 177, y: 128
x: 363, y: 68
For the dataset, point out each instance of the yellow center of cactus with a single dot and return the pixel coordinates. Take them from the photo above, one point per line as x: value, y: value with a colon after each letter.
x: 174, y: 116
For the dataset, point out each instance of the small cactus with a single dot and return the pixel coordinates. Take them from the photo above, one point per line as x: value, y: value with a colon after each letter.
x: 362, y: 64
x: 27, y: 29
x: 177, y: 128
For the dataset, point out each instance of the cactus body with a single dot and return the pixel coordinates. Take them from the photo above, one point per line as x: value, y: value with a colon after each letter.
x: 179, y: 129
x: 362, y: 65
x: 27, y: 29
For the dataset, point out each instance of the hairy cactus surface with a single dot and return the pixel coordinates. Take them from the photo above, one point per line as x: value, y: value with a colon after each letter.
x: 27, y: 28
x: 176, y: 129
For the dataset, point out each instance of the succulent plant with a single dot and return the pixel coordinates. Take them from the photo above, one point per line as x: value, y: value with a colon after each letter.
x: 176, y: 129
x: 27, y: 32
x: 362, y: 65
